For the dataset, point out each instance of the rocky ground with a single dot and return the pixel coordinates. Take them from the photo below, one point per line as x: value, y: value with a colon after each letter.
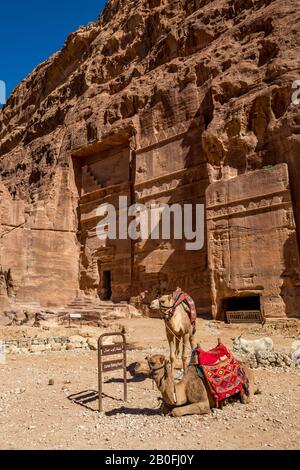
x: 36, y: 412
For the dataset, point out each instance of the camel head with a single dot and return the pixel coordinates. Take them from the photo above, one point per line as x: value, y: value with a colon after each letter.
x: 141, y: 367
x: 139, y: 370
x: 151, y: 364
x: 164, y: 304
x: 156, y: 362
x: 154, y: 304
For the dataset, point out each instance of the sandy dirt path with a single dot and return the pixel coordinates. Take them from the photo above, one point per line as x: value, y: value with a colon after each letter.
x: 36, y: 415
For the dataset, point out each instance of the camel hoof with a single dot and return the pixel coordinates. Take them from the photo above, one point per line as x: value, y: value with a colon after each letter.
x: 175, y: 413
x: 165, y: 410
x: 244, y: 399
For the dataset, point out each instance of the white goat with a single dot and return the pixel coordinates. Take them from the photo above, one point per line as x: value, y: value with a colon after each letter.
x: 296, y: 351
x: 252, y: 346
x: 296, y: 345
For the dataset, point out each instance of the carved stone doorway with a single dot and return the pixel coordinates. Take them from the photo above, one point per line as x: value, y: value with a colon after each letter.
x: 106, y: 285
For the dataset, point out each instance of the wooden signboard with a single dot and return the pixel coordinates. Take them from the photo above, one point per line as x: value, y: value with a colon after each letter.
x: 111, y: 349
x: 73, y: 317
x: 111, y: 365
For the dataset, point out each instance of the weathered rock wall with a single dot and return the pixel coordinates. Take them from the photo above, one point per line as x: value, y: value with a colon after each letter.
x: 39, y: 247
x: 252, y: 241
x: 201, y: 87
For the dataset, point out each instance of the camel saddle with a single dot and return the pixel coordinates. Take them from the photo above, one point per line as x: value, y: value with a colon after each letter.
x: 221, y: 371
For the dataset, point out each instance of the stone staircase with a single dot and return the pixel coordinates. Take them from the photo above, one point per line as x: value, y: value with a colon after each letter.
x: 93, y: 310
x: 90, y: 181
x: 93, y: 177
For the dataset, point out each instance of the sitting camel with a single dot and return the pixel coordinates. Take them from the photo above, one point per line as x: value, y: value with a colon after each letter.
x: 178, y: 326
x: 189, y: 396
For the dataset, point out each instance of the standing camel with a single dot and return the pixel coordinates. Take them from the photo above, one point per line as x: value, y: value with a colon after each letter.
x: 179, y: 327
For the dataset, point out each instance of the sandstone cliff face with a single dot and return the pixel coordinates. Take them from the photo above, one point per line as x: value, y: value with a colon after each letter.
x: 193, y: 92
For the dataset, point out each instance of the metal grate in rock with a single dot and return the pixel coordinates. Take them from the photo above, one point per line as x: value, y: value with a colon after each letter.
x: 245, y: 316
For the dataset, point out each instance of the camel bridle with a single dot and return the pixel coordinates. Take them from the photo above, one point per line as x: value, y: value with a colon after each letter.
x: 163, y: 377
x: 152, y: 370
x: 167, y: 311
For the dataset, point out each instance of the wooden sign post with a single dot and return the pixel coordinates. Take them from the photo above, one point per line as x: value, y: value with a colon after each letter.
x: 112, y: 365
x: 74, y: 316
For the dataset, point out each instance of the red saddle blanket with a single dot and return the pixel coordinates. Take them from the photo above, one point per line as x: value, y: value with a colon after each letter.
x: 222, y: 372
x: 212, y: 356
x: 188, y: 303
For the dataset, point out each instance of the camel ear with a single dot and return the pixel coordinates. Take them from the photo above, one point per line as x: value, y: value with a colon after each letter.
x: 162, y: 359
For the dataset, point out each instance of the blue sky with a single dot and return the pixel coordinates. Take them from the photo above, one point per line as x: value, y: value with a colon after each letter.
x: 30, y: 31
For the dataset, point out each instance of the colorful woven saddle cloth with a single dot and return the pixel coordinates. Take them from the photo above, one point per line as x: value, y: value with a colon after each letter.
x: 187, y: 302
x: 222, y: 372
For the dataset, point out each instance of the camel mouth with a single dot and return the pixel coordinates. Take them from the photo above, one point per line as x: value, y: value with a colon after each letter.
x: 141, y: 368
x: 154, y: 305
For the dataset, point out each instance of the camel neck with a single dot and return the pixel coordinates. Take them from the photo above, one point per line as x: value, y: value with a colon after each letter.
x: 177, y: 321
x: 165, y: 384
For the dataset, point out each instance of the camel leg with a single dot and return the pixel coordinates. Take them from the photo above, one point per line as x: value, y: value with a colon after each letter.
x: 244, y: 398
x: 185, y: 348
x: 165, y: 409
x: 172, y: 353
x: 251, y: 388
x: 199, y: 408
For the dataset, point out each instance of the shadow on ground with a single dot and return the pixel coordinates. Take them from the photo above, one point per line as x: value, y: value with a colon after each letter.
x: 134, y: 411
x: 88, y: 397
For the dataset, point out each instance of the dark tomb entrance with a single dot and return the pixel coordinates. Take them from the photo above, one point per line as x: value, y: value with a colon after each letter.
x: 106, y: 292
x: 243, y: 309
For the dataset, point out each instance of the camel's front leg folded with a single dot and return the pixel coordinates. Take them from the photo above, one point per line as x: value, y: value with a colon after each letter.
x: 165, y: 409
x: 199, y: 408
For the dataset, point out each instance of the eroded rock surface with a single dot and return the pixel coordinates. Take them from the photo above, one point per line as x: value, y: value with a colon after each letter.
x: 156, y: 100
